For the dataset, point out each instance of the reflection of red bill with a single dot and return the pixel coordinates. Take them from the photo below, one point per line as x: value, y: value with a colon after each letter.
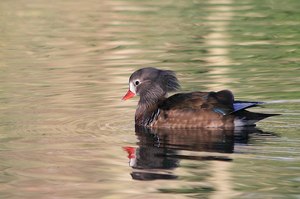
x: 130, y: 150
x: 128, y: 95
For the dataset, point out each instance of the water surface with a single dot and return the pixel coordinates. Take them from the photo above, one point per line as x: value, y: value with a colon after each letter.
x: 64, y: 66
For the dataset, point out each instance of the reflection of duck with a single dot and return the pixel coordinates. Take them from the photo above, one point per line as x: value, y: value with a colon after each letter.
x: 159, y: 150
x: 185, y: 110
x: 210, y: 140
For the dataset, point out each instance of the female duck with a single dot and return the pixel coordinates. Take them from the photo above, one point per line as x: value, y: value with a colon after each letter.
x: 185, y: 110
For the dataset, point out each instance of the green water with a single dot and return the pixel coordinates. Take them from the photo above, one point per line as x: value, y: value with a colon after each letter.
x: 64, y: 66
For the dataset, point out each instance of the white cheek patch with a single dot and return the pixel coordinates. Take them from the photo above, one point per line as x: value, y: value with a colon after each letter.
x: 132, y: 88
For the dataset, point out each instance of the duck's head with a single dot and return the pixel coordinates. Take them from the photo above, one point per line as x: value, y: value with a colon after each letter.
x: 151, y: 83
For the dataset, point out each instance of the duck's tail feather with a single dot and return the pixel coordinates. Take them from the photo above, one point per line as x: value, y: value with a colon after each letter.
x: 247, y: 118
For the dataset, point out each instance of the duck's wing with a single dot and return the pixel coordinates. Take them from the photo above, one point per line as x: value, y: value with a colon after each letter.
x: 195, y: 110
x: 242, y: 105
x: 219, y: 102
x: 206, y: 109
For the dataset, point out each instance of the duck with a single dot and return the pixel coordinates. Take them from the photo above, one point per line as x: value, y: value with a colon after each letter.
x: 185, y: 110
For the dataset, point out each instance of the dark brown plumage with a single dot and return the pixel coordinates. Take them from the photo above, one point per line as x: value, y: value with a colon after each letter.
x: 185, y: 110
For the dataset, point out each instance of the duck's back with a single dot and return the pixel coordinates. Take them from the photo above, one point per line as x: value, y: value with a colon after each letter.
x: 196, y: 110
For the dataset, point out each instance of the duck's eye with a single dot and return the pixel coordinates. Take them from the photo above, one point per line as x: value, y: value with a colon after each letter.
x: 137, y: 82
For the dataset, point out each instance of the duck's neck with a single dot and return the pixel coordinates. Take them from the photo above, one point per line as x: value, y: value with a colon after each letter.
x: 146, y: 110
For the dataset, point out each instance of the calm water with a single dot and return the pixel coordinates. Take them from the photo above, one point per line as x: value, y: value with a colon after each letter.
x: 64, y: 66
